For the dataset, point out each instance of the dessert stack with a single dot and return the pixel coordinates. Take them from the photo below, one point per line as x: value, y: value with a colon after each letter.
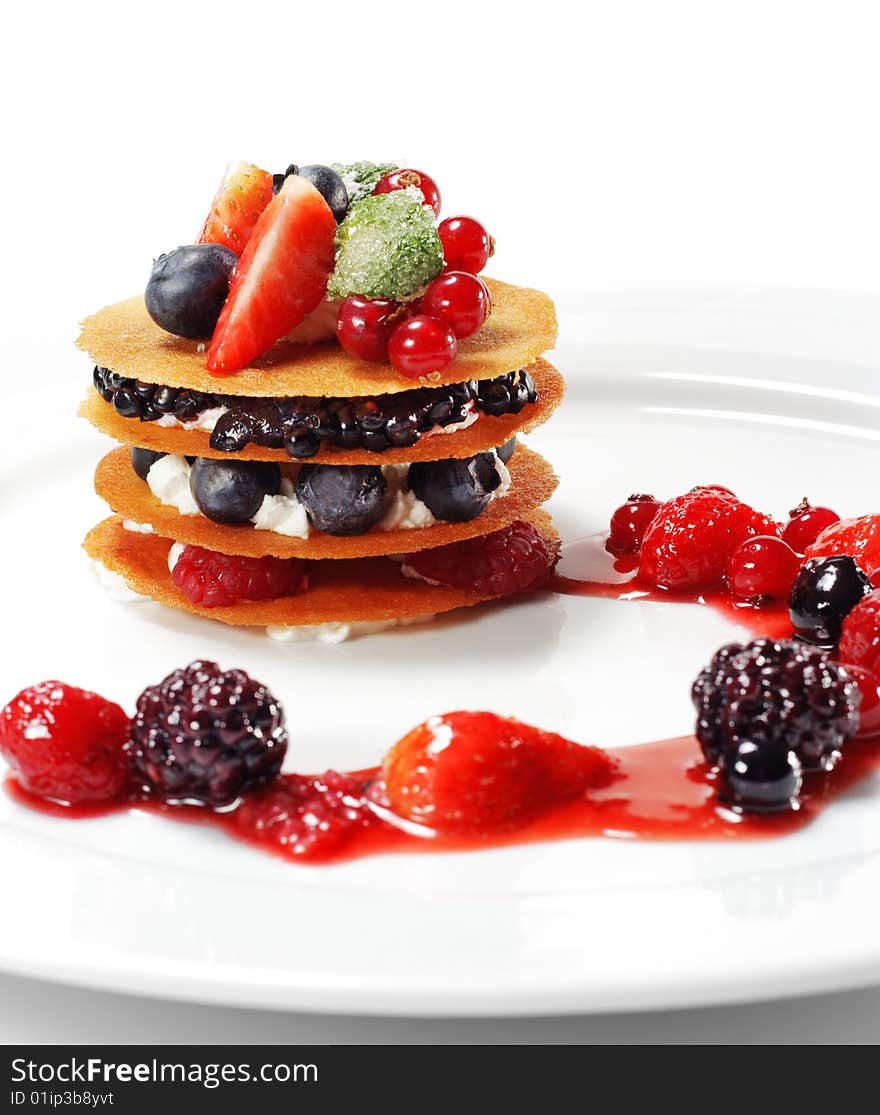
x: 319, y: 404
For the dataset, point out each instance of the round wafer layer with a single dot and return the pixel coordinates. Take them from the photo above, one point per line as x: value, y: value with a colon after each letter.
x: 360, y: 590
x: 125, y: 339
x: 532, y: 483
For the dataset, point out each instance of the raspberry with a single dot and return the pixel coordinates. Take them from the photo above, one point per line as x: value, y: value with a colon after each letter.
x: 217, y: 580
x: 775, y: 694
x: 857, y: 538
x: 476, y: 770
x: 689, y: 542
x: 66, y: 744
x: 860, y: 636
x: 305, y: 816
x: 205, y: 735
x: 515, y: 559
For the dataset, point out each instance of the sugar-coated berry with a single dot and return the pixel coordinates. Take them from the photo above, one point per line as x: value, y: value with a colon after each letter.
x: 629, y: 523
x: 187, y: 289
x: 763, y: 567
x: 342, y: 499
x: 65, y: 744
x: 215, y: 580
x: 401, y: 179
x: 759, y: 778
x: 467, y: 246
x: 460, y: 299
x: 422, y: 345
x: 805, y: 524
x: 232, y: 491
x: 329, y: 185
x: 505, y: 451
x: 825, y: 592
x: 364, y: 326
x: 206, y: 735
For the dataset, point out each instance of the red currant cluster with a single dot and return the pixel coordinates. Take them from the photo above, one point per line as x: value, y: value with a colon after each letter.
x: 421, y: 337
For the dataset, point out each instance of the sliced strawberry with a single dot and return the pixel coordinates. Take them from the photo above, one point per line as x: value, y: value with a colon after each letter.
x: 281, y: 276
x: 243, y: 195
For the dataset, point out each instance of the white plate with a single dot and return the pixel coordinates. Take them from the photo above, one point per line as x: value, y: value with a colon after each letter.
x: 771, y: 394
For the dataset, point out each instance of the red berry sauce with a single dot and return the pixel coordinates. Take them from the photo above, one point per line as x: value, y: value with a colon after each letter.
x: 661, y: 791
x: 586, y: 569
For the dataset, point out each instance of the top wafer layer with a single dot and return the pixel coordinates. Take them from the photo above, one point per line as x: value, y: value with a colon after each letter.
x: 123, y: 337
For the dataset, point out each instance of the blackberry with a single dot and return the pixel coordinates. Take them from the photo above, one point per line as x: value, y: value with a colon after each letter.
x: 825, y: 591
x: 783, y: 695
x: 206, y: 735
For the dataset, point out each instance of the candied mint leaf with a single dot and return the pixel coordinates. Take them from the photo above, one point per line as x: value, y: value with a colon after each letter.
x: 361, y: 178
x: 387, y: 247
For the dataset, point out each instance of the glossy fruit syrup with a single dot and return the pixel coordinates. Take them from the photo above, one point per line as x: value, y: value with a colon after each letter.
x: 585, y: 568
x: 660, y: 791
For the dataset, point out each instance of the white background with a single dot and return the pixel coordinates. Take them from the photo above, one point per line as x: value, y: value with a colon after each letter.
x: 602, y: 144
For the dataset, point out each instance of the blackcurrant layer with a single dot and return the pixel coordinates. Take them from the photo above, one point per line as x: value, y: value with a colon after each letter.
x: 301, y: 425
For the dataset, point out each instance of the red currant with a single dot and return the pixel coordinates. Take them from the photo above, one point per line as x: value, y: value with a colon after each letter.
x: 422, y: 345
x: 466, y: 244
x: 460, y: 299
x: 629, y: 523
x: 363, y: 328
x: 400, y: 179
x: 805, y: 524
x: 763, y: 566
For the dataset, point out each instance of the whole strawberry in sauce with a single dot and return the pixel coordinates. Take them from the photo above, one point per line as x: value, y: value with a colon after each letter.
x: 472, y: 771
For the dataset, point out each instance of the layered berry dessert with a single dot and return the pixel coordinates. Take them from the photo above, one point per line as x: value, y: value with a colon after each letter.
x: 320, y: 404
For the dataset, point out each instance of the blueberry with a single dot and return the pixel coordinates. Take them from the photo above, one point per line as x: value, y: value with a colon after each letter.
x: 232, y: 491
x: 759, y: 779
x: 506, y: 450
x: 456, y: 490
x: 329, y: 185
x: 188, y: 287
x: 142, y: 460
x: 342, y: 499
x: 278, y: 179
x: 825, y: 592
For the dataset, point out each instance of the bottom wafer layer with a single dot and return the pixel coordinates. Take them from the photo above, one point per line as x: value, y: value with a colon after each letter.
x: 353, y: 591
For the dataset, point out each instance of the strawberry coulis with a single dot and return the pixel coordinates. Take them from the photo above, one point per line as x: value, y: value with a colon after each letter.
x: 587, y: 569
x: 660, y: 790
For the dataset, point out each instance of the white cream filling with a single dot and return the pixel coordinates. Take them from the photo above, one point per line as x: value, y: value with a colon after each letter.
x: 283, y: 513
x: 137, y: 528
x: 334, y: 633
x: 116, y: 585
x: 207, y: 420
x: 168, y: 479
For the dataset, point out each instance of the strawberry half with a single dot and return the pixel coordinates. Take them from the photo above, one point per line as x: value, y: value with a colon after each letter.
x: 243, y: 195
x: 280, y: 277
